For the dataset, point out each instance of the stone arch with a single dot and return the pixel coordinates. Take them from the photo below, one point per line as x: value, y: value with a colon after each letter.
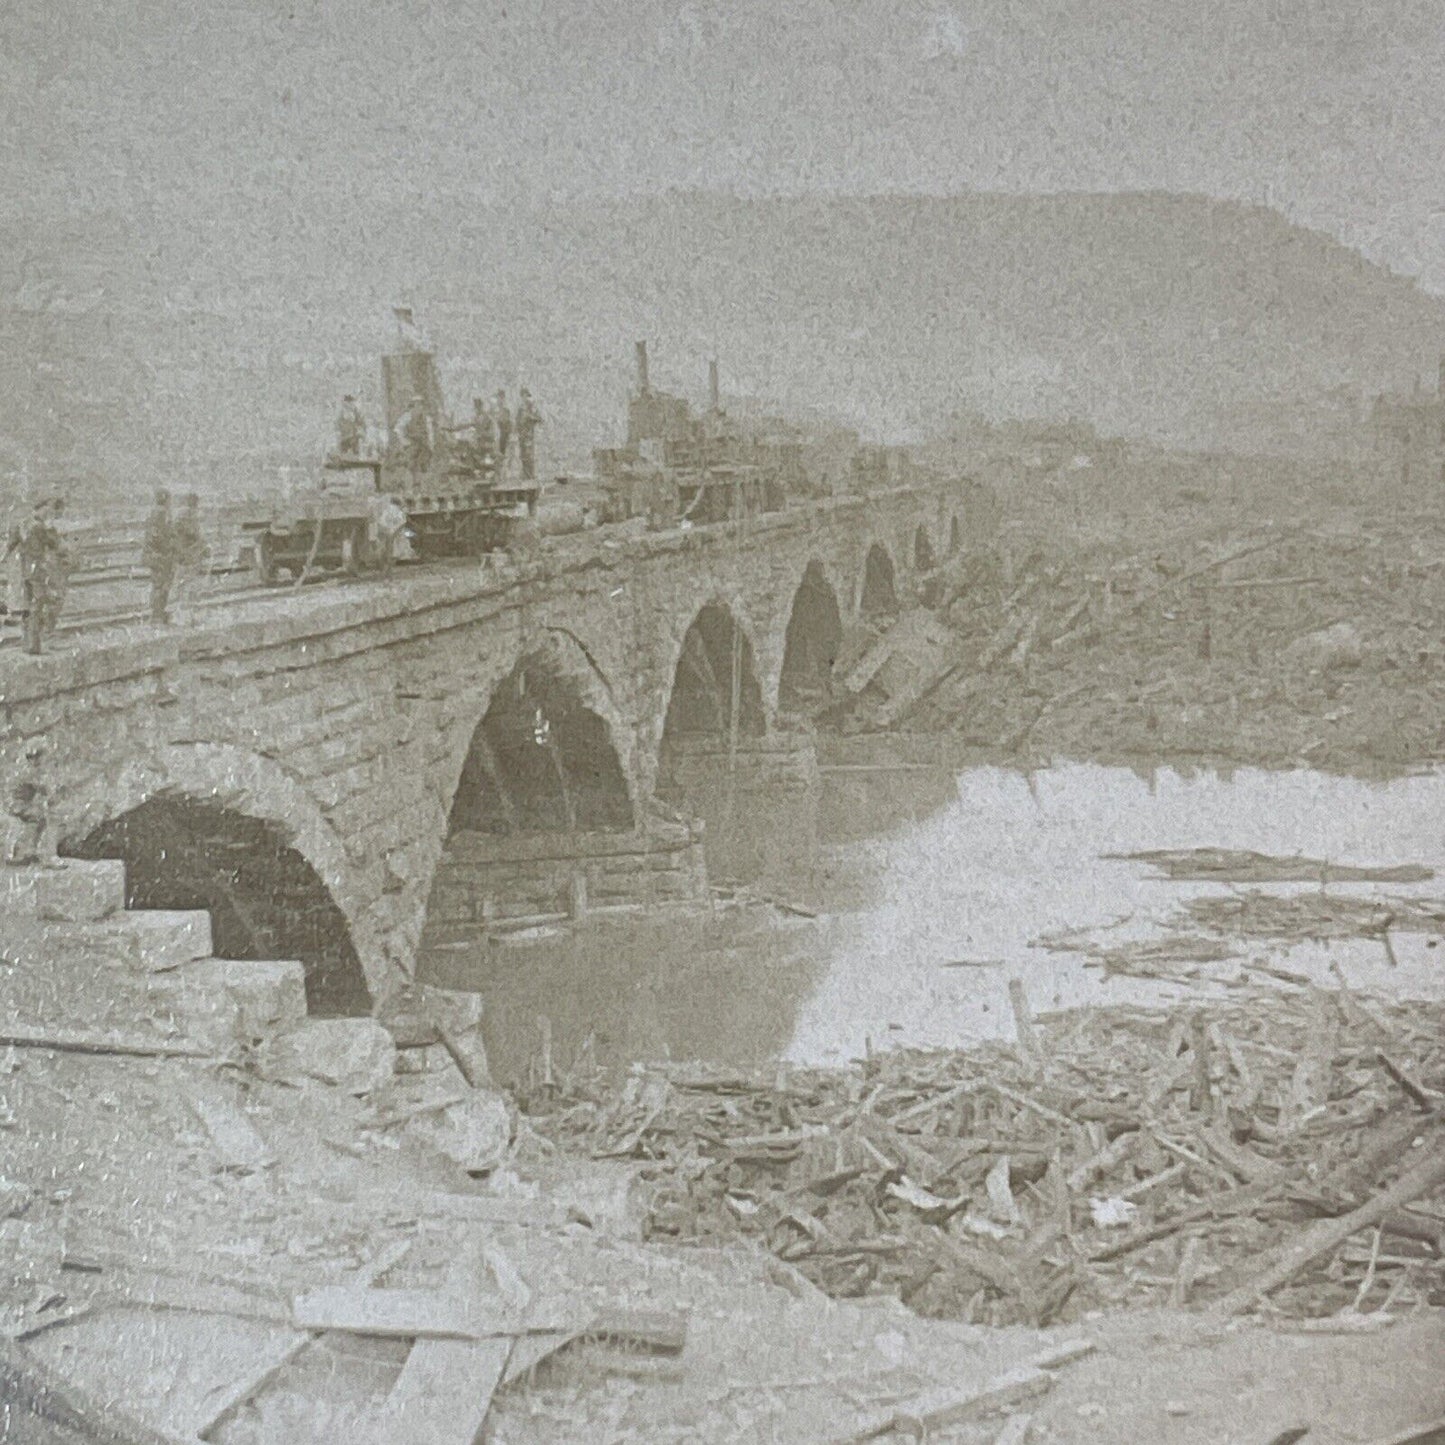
x: 202, y: 826
x: 542, y: 758
x: 878, y: 594
x: 715, y: 688
x: 811, y: 644
x: 923, y: 557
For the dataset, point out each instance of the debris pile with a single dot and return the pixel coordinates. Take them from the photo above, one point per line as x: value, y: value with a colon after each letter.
x: 1282, y: 1146
x: 1206, y: 646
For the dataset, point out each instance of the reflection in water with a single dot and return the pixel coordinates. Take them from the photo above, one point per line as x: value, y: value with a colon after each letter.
x: 997, y: 860
x: 1016, y: 857
x: 724, y: 988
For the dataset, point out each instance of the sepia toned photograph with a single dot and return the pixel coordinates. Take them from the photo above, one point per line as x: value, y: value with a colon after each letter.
x: 722, y: 721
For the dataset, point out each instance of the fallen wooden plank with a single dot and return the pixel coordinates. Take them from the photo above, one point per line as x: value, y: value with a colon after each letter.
x: 951, y: 1405
x: 240, y: 1147
x: 443, y: 1395
x: 492, y: 1209
x: 260, y: 1371
x: 662, y: 1332
x: 530, y: 1351
x: 1326, y: 1235
x: 399, y: 1314
x: 82, y: 1041
x: 287, y: 1347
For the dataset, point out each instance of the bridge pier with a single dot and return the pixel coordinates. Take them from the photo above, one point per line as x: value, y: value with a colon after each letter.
x: 484, y: 879
x: 757, y: 800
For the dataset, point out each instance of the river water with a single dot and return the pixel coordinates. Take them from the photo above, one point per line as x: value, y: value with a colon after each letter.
x: 1016, y: 857
x: 969, y: 870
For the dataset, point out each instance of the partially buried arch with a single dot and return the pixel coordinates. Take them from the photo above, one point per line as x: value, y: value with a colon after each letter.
x: 265, y: 900
x: 880, y: 593
x: 955, y: 535
x: 541, y: 760
x: 811, y: 645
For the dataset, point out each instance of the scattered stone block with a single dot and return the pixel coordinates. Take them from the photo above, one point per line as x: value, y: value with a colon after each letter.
x: 196, y: 1006
x: 269, y: 994
x: 353, y: 1054
x: 78, y: 892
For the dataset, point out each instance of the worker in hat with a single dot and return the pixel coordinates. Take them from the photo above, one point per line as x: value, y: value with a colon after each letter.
x: 503, y: 417
x: 350, y: 428
x: 41, y: 553
x: 414, y: 432
x: 484, y: 434
x: 528, y: 420
x: 158, y: 556
x: 189, y: 547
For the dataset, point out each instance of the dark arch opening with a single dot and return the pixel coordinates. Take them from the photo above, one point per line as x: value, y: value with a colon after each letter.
x: 540, y: 761
x: 811, y: 645
x: 923, y: 558
x: 265, y: 900
x: 955, y: 536
x: 715, y: 687
x: 880, y: 595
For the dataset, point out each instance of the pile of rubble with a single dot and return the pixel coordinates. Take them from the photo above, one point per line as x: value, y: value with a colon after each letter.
x: 1279, y: 1150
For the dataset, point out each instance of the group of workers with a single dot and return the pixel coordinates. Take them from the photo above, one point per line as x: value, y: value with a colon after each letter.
x: 174, y: 553
x: 39, y: 560
x: 487, y: 444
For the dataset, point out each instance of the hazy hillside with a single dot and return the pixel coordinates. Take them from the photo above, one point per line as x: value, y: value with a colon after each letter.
x: 215, y: 349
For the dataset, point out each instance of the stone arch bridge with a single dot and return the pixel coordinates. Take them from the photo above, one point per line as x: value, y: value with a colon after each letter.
x: 330, y: 772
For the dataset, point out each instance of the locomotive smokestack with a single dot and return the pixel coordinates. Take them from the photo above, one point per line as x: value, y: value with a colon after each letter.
x: 715, y: 402
x: 642, y: 385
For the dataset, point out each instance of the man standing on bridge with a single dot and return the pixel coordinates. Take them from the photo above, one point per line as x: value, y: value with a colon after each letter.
x: 350, y: 428
x: 528, y: 420
x: 158, y: 556
x: 414, y: 431
x: 189, y: 546
x: 484, y: 434
x: 43, y: 571
x: 503, y: 418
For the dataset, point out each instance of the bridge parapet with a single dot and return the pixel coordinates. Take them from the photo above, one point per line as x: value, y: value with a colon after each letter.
x: 341, y: 719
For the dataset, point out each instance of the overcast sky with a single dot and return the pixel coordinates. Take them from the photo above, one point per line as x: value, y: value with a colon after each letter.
x: 1332, y: 109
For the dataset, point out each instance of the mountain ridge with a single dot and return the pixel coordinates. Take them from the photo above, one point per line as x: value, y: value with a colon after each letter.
x: 1173, y: 317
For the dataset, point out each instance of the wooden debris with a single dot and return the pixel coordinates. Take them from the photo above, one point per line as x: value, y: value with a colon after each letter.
x: 84, y: 1041
x: 399, y: 1314
x: 876, y: 1179
x: 656, y: 1331
x: 1327, y: 1235
x: 953, y: 1406
x: 1231, y: 865
x: 260, y: 1371
x: 443, y: 1395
